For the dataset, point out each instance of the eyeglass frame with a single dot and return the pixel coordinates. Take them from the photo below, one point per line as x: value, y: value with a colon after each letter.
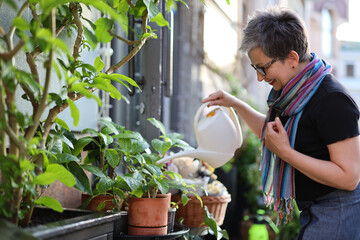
x: 261, y: 70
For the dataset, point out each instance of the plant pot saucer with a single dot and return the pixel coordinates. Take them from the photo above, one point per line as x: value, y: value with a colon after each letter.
x: 179, y: 230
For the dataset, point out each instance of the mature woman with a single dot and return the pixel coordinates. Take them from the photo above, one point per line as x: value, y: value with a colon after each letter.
x: 310, y: 133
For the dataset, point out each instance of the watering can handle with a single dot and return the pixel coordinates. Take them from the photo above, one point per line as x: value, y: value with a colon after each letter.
x: 196, y: 119
x: 235, y: 119
x: 232, y: 115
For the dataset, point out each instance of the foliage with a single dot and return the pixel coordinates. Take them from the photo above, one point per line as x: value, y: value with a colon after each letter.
x: 31, y: 156
x: 113, y: 146
x: 145, y: 177
x: 214, y: 228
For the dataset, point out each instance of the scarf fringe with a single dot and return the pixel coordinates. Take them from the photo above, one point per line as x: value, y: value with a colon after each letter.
x: 283, y: 207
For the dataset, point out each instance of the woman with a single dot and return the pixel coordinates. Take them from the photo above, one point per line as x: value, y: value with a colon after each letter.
x: 310, y: 134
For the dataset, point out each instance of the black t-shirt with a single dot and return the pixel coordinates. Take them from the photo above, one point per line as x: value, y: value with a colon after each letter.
x: 331, y: 115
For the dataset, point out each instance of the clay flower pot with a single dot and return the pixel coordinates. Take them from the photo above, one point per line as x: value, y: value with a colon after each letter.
x: 94, y: 203
x: 148, y: 216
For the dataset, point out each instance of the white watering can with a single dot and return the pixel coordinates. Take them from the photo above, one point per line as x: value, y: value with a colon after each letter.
x: 218, y: 135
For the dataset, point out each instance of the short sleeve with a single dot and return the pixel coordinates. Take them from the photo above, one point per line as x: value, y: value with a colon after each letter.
x: 336, y: 116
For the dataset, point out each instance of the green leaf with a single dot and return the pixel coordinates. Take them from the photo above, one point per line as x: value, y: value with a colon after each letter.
x: 122, y: 6
x: 112, y: 157
x: 155, y: 170
x: 110, y: 125
x: 133, y: 181
x: 101, y: 206
x: 63, y: 138
x: 61, y: 46
x: 82, y: 180
x: 120, y: 193
x: 80, y: 144
x: 55, y: 172
x: 94, y: 170
x: 21, y: 24
x: 65, y: 158
x: 125, y: 78
x: 139, y: 9
x: 103, y: 25
x: 214, y: 227
x: 62, y: 123
x: 105, y: 84
x: 106, y: 139
x: 163, y: 186
x: 48, y: 5
x: 160, y: 20
x: 184, y: 199
x: 152, y: 8
x: 99, y: 64
x: 169, y: 3
x: 50, y: 203
x: 104, y: 184
x: 161, y: 146
x: 90, y: 37
x: 81, y: 88
x: 44, y: 34
x: 158, y: 124
x: 74, y: 111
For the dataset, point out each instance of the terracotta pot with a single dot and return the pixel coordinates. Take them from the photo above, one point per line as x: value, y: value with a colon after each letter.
x: 145, y: 213
x: 93, y: 204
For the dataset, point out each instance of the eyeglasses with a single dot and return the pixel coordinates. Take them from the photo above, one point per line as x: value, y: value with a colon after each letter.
x: 261, y: 70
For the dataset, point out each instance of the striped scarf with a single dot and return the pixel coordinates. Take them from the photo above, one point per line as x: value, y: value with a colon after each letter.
x: 277, y: 175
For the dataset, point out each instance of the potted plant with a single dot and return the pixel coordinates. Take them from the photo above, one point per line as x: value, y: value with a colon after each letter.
x: 146, y: 181
x: 38, y: 36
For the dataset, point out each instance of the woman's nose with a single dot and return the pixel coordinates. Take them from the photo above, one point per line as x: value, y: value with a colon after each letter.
x: 260, y: 77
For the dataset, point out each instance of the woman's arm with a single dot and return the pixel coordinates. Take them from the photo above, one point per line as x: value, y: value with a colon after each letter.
x: 253, y: 119
x: 342, y: 171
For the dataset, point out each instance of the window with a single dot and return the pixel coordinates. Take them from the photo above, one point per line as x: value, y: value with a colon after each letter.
x: 350, y: 70
x: 326, y: 33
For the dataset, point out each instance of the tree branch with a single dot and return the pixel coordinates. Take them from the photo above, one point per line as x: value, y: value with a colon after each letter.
x: 43, y: 102
x: 58, y: 109
x: 127, y: 41
x: 80, y: 30
x: 7, y: 56
x: 19, y: 14
x: 130, y: 4
x: 128, y: 57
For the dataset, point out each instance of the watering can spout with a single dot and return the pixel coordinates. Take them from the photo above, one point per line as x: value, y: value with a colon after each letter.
x: 215, y: 159
x: 218, y: 135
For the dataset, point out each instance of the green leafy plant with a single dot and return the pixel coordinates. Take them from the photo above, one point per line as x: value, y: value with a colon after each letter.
x: 39, y: 37
x: 213, y: 228
x: 113, y: 146
x: 146, y: 178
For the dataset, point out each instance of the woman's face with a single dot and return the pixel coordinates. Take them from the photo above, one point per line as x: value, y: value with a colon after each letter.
x: 277, y: 73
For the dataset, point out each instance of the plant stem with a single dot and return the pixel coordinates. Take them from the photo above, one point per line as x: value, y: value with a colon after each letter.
x: 128, y: 57
x: 80, y: 31
x: 43, y: 103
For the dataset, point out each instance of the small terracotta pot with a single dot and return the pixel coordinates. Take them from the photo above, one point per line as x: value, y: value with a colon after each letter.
x: 148, y: 213
x: 93, y: 204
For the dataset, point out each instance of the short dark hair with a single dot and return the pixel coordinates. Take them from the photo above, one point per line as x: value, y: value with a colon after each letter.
x: 276, y: 31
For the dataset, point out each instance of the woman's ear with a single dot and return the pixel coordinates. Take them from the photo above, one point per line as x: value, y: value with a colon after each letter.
x: 293, y: 59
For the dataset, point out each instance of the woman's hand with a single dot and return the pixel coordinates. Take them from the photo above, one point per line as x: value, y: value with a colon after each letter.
x: 221, y: 98
x: 254, y: 119
x: 276, y: 138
